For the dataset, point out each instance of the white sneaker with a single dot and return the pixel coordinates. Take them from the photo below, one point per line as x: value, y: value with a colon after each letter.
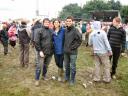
x: 53, y: 77
x: 37, y: 83
x: 59, y: 79
x: 113, y: 77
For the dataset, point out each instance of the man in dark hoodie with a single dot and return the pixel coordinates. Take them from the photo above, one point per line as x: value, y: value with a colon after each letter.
x: 117, y: 38
x: 72, y: 41
x: 44, y: 46
x: 4, y: 38
x: 36, y: 26
x: 24, y: 40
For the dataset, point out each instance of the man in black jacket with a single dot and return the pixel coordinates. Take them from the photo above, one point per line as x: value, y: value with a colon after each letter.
x: 73, y: 39
x: 44, y: 46
x: 117, y: 38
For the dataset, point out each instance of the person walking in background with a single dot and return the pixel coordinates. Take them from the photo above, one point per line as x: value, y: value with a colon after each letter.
x: 126, y: 29
x: 88, y: 31
x: 58, y: 42
x: 73, y: 40
x: 4, y: 38
x: 102, y: 50
x: 117, y: 39
x: 12, y: 35
x: 24, y: 40
x: 44, y: 46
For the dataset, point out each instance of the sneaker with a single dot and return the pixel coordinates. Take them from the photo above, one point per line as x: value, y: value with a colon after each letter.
x: 53, y: 78
x: 72, y: 83
x: 45, y: 78
x: 59, y: 79
x: 113, y: 77
x: 37, y: 83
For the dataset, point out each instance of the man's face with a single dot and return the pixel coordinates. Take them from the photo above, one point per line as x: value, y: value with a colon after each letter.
x: 69, y: 22
x: 46, y: 23
x: 115, y: 23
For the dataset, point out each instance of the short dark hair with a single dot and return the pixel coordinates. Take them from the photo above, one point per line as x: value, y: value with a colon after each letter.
x: 46, y: 19
x: 23, y: 23
x: 70, y: 17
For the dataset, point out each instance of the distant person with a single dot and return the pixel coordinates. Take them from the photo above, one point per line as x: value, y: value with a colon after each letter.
x: 12, y: 35
x: 102, y: 50
x: 72, y: 41
x: 58, y: 42
x: 83, y: 29
x: 24, y: 41
x: 126, y: 29
x: 117, y: 39
x: 44, y: 46
x: 4, y: 37
x: 88, y: 31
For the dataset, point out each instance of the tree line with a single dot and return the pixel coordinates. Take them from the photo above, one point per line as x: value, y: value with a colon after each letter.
x: 93, y: 5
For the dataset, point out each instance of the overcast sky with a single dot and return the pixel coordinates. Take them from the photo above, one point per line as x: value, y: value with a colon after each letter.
x: 26, y: 8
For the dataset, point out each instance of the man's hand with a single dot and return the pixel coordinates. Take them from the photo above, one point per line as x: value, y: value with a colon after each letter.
x: 110, y: 53
x: 41, y: 54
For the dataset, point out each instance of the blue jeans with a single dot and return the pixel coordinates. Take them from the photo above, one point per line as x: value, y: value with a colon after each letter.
x: 42, y: 65
x: 70, y: 67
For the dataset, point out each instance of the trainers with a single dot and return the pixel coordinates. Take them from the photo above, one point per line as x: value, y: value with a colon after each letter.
x: 53, y: 78
x: 72, y: 83
x: 59, y: 79
x: 113, y: 77
x: 45, y: 78
x: 37, y: 83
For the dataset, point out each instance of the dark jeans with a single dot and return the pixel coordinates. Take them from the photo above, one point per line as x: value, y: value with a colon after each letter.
x: 42, y: 65
x: 70, y: 67
x: 5, y: 45
x: 59, y: 60
x: 116, y: 54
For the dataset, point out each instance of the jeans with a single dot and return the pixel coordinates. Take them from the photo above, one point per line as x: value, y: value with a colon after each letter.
x: 42, y: 65
x: 36, y: 56
x: 59, y: 60
x: 70, y: 67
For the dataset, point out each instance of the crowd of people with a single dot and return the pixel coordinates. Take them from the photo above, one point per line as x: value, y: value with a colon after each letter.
x: 62, y: 40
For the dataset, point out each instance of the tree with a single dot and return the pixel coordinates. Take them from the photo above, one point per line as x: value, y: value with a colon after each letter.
x: 114, y: 5
x: 94, y: 5
x: 124, y: 13
x: 70, y: 10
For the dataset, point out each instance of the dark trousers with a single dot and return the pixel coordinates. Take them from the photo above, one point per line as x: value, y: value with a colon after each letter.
x: 5, y: 45
x: 24, y: 54
x: 59, y: 60
x: 42, y: 65
x: 70, y: 67
x: 115, y: 57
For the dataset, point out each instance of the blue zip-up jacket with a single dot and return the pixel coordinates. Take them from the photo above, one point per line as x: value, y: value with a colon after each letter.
x: 58, y: 41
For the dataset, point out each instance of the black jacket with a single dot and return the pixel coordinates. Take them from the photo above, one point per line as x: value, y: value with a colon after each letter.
x: 37, y: 25
x: 72, y: 41
x: 23, y: 35
x: 117, y: 37
x: 43, y: 41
